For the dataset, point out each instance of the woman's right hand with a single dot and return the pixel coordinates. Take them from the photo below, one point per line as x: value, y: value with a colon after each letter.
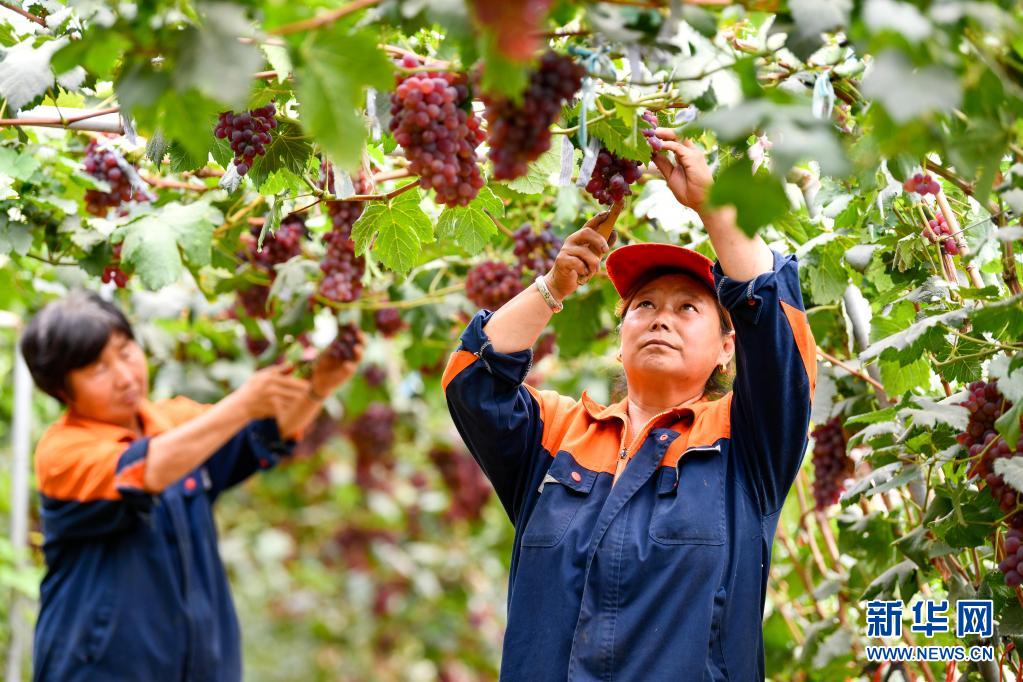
x: 270, y: 390
x: 578, y: 260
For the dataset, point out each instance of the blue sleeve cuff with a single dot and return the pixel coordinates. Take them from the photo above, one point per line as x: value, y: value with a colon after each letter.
x: 511, y: 367
x: 746, y: 297
x: 267, y: 445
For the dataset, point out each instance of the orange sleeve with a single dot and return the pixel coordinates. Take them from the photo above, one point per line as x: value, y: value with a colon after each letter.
x: 72, y: 464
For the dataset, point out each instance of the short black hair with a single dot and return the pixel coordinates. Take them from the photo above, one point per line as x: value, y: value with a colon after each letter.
x: 68, y: 334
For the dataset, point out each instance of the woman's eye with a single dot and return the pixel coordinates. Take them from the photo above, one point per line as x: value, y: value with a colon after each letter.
x: 690, y: 305
x: 643, y: 303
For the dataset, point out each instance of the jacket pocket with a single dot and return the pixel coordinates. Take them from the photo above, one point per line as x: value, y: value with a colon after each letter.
x: 717, y: 669
x: 562, y: 492
x: 95, y: 638
x: 689, y: 508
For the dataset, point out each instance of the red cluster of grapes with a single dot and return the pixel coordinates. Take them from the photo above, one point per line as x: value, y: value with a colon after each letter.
x: 279, y: 247
x: 611, y: 177
x: 374, y: 375
x: 922, y: 184
x: 106, y: 164
x: 519, y: 133
x: 342, y: 268
x: 984, y: 444
x: 388, y: 321
x: 832, y: 464
x: 651, y: 137
x: 353, y: 545
x: 491, y: 284
x: 248, y: 133
x: 282, y: 245
x: 113, y: 272
x: 256, y: 345
x: 345, y: 344
x: 469, y: 488
x: 372, y: 434
x: 536, y: 251
x: 430, y: 121
x: 1012, y: 548
x: 940, y: 232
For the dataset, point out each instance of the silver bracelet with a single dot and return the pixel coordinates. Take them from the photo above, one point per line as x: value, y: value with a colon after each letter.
x: 553, y: 303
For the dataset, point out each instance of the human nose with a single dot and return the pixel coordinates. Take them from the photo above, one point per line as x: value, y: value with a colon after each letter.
x: 123, y: 374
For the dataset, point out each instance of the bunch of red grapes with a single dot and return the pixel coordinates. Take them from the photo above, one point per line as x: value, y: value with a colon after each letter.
x: 279, y: 247
x: 922, y: 184
x: 374, y: 375
x: 432, y: 119
x: 651, y: 137
x: 940, y: 232
x: 372, y: 434
x: 342, y: 268
x: 832, y: 464
x: 346, y: 343
x: 519, y: 133
x: 388, y: 321
x: 611, y: 177
x: 248, y: 133
x: 985, y: 445
x: 534, y: 250
x: 105, y: 164
x: 469, y: 488
x: 491, y: 284
x: 1012, y: 548
x: 113, y: 272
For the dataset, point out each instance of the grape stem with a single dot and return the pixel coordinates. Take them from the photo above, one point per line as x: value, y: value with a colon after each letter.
x: 323, y: 19
x: 28, y: 15
x: 427, y: 299
x: 855, y: 372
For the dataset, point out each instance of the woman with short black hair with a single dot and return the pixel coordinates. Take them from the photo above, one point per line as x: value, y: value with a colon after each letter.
x: 135, y: 588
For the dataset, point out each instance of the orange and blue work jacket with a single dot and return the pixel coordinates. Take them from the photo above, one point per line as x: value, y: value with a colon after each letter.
x: 134, y: 588
x: 660, y: 574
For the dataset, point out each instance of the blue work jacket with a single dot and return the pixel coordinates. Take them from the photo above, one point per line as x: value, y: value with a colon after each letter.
x: 135, y: 589
x: 662, y: 575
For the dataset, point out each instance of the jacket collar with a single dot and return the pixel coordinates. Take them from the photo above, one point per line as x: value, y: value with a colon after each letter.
x: 620, y: 408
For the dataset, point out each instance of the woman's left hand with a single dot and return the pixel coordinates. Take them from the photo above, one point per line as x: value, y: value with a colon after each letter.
x: 329, y: 373
x: 689, y: 178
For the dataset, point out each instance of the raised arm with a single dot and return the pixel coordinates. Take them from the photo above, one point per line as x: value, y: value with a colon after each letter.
x: 776, y: 368
x: 520, y: 321
x: 174, y: 453
x: 689, y: 179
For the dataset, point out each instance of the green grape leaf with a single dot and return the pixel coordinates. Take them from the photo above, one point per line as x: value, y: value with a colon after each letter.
x: 621, y: 138
x: 395, y: 230
x: 758, y: 198
x: 469, y: 226
x: 337, y: 67
x: 17, y: 166
x: 156, y: 243
x: 288, y: 150
x: 537, y: 177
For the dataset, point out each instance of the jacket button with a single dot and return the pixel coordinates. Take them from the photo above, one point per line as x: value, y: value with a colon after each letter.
x: 751, y: 302
x: 189, y: 484
x: 664, y: 436
x: 576, y: 476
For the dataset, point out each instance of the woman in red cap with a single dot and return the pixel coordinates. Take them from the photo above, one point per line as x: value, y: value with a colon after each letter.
x: 643, y: 530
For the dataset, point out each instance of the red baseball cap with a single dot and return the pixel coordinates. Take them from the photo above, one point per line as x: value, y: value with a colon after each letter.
x: 625, y: 265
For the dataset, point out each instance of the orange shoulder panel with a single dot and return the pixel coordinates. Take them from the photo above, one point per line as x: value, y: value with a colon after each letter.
x: 712, y: 421
x: 75, y: 463
x: 567, y: 425
x: 804, y: 341
x: 458, y: 361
